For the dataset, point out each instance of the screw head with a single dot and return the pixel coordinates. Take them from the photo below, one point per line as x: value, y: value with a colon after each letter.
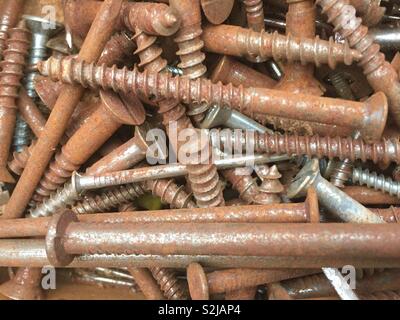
x: 54, y: 238
x: 304, y: 179
x: 197, y: 281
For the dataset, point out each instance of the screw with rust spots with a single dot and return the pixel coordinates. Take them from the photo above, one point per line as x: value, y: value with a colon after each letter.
x: 369, y: 116
x: 237, y: 41
x: 11, y: 74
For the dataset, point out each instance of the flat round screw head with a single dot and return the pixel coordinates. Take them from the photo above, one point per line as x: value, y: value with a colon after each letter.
x: 21, y: 288
x: 217, y: 11
x: 304, y: 179
x: 54, y: 238
x: 197, y: 281
x: 377, y: 113
x: 127, y: 109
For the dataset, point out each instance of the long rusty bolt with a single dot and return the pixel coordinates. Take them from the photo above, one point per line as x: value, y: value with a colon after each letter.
x: 100, y: 31
x: 368, y: 196
x: 10, y: 13
x: 380, y: 74
x: 32, y: 253
x: 66, y: 238
x: 237, y: 41
x: 304, y: 212
x: 100, y: 126
x: 202, y: 285
x: 369, y: 117
x: 342, y: 148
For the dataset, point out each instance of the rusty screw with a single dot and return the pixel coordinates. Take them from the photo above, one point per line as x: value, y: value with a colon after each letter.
x: 369, y: 117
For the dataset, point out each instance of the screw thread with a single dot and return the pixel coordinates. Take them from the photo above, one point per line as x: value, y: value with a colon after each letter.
x: 169, y: 284
x: 109, y: 199
x: 375, y: 181
x: 341, y: 85
x: 148, y: 52
x: 171, y: 193
x: 341, y: 173
x: 343, y: 17
x: 255, y: 14
x: 206, y: 185
x: 63, y: 197
x: 59, y: 171
x: 159, y: 85
x: 150, y: 59
x: 22, y: 134
x: 380, y: 74
x: 18, y: 163
x: 244, y: 184
x: 13, y: 64
x: 312, y: 146
x: 11, y: 11
x: 270, y: 187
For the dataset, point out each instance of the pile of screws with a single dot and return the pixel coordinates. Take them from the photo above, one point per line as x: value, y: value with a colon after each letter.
x: 203, y: 149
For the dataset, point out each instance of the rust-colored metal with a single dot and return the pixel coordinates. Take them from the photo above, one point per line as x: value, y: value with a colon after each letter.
x: 380, y: 73
x: 152, y: 18
x: 19, y: 160
x: 109, y: 199
x: 170, y: 193
x: 169, y: 284
x: 367, y: 196
x: 99, y: 126
x: 123, y: 157
x: 319, y: 286
x: 369, y: 117
x: 277, y: 292
x: 66, y: 237
x: 217, y: 11
x: 240, y: 42
x: 384, y: 295
x: 25, y: 285
x: 146, y: 283
x: 300, y: 22
x: 188, y: 38
x: 255, y: 14
x: 99, y: 33
x: 48, y: 90
x: 10, y: 13
x: 244, y: 183
x: 117, y: 50
x: 270, y: 187
x: 30, y: 112
x: 202, y: 285
x: 228, y: 70
x: 242, y: 294
x: 369, y: 10
x: 203, y: 176
x: 12, y: 68
x: 304, y: 212
x: 190, y: 47
x: 173, y: 113
x: 313, y: 146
